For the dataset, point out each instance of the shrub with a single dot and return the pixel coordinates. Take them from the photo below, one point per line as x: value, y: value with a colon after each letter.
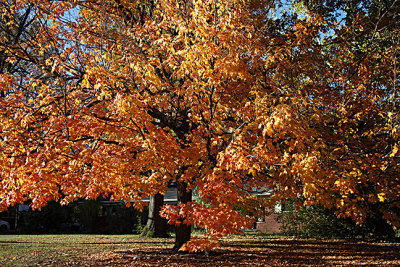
x: 319, y: 222
x: 48, y: 220
x: 87, y: 216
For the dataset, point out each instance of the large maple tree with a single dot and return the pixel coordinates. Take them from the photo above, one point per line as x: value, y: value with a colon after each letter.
x: 219, y: 96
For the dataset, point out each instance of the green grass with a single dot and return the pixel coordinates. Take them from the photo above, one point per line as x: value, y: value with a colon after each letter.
x: 56, y: 250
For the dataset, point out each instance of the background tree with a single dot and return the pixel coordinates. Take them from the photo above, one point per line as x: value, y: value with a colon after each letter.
x: 156, y: 226
x: 326, y: 130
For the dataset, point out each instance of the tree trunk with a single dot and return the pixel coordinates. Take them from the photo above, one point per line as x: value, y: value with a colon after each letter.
x: 182, y: 231
x: 156, y: 226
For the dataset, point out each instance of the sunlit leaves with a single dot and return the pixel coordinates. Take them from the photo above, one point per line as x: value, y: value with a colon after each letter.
x: 118, y: 98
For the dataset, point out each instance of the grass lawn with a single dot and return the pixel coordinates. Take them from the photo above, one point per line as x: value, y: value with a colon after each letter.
x: 131, y: 250
x: 56, y: 250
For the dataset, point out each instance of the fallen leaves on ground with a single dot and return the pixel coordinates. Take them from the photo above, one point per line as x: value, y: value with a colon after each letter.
x: 261, y: 251
x: 131, y: 250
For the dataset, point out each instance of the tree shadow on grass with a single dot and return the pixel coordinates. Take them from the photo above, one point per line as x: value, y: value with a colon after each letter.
x: 320, y: 252
x: 272, y: 252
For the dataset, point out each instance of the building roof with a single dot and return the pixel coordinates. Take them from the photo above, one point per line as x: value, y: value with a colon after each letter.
x: 170, y: 197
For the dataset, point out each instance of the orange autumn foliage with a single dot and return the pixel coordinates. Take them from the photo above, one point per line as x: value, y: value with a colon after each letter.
x: 121, y: 97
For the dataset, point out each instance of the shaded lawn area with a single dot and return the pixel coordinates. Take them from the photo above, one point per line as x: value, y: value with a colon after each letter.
x: 131, y: 250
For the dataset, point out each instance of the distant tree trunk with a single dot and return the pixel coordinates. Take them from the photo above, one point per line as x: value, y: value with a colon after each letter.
x: 182, y: 231
x: 156, y: 226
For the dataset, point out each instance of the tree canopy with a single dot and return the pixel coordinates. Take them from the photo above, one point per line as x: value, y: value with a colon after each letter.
x: 119, y: 98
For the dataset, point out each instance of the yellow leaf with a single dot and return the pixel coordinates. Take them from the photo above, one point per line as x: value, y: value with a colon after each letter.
x: 394, y: 151
x: 381, y: 197
x: 85, y: 83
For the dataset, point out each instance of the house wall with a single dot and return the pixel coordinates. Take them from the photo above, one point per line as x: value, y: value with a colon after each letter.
x: 269, y: 223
